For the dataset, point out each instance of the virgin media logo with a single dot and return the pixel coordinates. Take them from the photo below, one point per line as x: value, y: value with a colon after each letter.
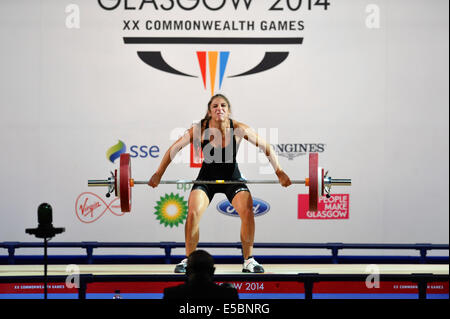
x: 90, y: 207
x: 335, y: 207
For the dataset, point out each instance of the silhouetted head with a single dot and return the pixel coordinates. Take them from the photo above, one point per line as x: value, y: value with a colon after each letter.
x: 200, y: 263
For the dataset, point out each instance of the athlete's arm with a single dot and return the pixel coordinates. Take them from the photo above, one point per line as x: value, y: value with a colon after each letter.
x: 170, y: 154
x: 244, y: 131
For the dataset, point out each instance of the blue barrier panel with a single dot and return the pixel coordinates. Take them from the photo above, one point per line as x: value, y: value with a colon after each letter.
x: 168, y: 258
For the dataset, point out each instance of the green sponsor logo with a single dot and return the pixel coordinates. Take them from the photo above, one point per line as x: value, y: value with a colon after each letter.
x: 171, y: 210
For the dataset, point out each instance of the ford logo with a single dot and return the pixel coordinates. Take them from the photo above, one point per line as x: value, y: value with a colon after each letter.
x: 260, y: 208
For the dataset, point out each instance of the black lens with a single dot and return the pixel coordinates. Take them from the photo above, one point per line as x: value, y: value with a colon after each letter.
x: 45, y: 215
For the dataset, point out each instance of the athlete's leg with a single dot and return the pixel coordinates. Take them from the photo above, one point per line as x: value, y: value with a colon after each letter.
x: 243, y: 203
x: 197, y: 204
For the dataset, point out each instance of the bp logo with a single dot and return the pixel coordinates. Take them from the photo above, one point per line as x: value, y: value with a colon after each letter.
x: 171, y: 210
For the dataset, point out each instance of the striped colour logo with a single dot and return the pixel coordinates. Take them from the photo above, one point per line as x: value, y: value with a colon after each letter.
x: 210, y: 60
x: 114, y: 151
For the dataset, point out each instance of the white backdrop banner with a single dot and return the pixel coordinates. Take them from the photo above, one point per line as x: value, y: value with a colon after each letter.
x: 363, y: 83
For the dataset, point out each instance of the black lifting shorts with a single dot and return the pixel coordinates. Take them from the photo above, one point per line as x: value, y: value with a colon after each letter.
x: 230, y: 190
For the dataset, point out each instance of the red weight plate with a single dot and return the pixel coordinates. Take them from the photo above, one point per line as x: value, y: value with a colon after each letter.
x: 313, y: 181
x: 124, y: 182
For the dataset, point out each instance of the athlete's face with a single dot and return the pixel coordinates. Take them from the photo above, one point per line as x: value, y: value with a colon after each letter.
x: 219, y: 109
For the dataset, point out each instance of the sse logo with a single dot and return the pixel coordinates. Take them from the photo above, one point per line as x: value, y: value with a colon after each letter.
x: 142, y: 151
x: 260, y: 208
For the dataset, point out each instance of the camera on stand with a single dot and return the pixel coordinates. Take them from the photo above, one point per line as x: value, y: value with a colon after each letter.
x: 46, y: 231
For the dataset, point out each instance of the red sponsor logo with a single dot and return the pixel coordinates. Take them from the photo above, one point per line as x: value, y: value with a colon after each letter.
x: 335, y: 207
x: 89, y: 207
x: 196, y: 158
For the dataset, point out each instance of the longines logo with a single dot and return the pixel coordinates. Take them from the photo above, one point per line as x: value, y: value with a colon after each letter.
x: 213, y: 64
x: 293, y: 150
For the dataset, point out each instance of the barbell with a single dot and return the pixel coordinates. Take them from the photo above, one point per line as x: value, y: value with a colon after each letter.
x: 120, y: 182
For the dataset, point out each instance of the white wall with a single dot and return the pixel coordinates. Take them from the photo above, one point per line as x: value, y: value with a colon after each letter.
x: 376, y: 97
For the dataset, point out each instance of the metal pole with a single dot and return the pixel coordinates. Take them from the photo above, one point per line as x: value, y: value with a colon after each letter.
x: 329, y: 181
x: 219, y: 182
x: 45, y: 267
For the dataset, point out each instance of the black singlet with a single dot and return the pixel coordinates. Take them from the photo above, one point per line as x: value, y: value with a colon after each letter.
x: 219, y: 163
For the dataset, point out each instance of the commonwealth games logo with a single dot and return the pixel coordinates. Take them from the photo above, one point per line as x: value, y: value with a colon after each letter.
x: 171, y: 210
x: 215, y: 62
x: 155, y: 27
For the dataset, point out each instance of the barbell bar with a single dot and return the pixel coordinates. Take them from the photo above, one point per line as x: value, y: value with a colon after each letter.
x: 120, y: 182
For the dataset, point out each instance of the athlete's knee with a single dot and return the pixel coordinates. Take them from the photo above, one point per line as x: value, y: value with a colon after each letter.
x: 194, y: 215
x: 246, y: 214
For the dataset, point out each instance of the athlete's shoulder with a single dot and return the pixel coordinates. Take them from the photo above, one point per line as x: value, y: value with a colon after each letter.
x: 239, y: 125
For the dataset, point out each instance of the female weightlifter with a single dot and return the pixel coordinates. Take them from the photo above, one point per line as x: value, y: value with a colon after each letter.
x: 219, y: 137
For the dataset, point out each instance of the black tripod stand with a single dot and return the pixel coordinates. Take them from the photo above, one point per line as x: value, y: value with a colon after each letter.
x: 46, y: 231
